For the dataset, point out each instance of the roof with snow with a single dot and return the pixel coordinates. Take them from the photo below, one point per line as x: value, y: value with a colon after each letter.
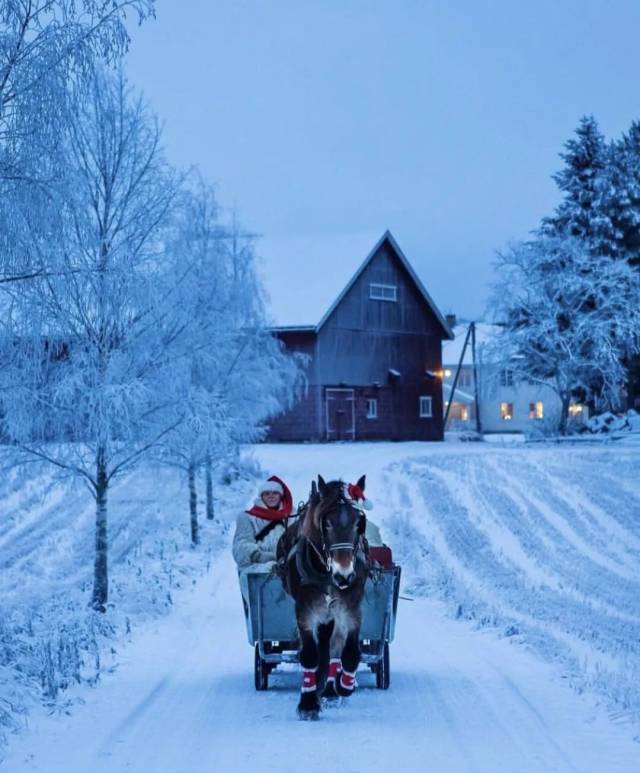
x: 451, y: 350
x: 306, y: 278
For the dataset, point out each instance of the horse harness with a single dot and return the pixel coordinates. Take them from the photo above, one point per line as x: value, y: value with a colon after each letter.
x: 303, y: 549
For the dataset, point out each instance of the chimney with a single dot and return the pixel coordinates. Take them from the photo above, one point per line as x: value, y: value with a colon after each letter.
x: 451, y: 320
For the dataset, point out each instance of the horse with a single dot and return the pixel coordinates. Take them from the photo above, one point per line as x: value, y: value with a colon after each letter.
x: 323, y: 566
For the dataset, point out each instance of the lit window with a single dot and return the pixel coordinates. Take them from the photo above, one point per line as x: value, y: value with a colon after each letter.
x: 575, y: 409
x: 536, y: 410
x: 383, y: 292
x: 426, y: 407
x: 459, y: 412
x: 372, y: 408
x: 506, y: 411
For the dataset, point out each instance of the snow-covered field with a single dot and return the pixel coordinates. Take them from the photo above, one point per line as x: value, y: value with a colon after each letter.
x: 522, y: 563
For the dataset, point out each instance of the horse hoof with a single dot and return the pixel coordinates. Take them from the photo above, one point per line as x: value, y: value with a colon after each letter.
x: 309, y: 705
x: 329, y: 691
x: 344, y: 692
x: 308, y: 715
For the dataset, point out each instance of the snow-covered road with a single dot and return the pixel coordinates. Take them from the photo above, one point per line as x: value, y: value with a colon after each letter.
x: 184, y: 702
x: 461, y: 700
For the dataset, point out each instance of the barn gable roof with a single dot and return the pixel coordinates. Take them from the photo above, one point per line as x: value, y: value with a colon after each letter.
x: 308, y: 307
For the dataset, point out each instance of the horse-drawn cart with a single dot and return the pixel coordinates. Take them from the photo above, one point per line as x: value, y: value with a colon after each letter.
x: 272, y: 629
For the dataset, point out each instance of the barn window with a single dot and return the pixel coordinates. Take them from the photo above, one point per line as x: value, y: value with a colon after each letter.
x: 426, y: 406
x: 372, y: 408
x: 536, y: 410
x: 506, y: 411
x: 383, y: 292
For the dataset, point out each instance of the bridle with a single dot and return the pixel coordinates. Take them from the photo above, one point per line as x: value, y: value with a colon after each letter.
x: 324, y: 553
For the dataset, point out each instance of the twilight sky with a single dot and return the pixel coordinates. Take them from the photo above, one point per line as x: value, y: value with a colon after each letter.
x: 439, y: 119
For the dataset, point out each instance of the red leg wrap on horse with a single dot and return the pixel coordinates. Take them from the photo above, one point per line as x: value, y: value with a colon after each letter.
x: 334, y: 667
x: 348, y: 680
x: 308, y: 680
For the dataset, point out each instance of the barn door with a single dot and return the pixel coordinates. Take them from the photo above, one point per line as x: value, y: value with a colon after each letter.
x: 341, y: 416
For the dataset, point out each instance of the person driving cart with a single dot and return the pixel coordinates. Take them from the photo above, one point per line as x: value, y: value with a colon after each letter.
x: 259, y: 528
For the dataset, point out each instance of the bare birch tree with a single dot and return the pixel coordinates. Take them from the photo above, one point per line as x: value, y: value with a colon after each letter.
x: 44, y: 46
x: 234, y: 373
x: 93, y: 345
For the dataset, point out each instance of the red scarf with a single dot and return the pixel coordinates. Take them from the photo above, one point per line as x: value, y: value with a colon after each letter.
x: 284, y: 511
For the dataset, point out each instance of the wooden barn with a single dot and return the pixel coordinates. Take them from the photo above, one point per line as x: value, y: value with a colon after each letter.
x: 374, y: 350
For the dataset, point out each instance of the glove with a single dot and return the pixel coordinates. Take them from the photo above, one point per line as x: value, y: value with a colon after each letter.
x: 260, y: 556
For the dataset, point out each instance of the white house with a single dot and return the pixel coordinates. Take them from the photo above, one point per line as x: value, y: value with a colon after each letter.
x: 506, y: 401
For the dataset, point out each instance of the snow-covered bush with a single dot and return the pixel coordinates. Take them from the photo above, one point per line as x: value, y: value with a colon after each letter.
x: 608, y: 422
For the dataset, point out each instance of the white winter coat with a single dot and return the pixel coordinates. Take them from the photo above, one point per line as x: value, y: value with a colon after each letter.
x: 245, y: 549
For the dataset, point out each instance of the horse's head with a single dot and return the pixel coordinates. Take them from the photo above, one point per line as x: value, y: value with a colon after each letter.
x: 336, y: 526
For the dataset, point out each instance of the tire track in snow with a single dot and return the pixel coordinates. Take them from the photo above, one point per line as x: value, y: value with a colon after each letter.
x: 467, y: 581
x: 543, y: 549
x: 551, y: 508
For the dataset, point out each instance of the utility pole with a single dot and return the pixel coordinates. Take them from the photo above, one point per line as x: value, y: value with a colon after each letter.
x: 455, y: 380
x: 475, y: 377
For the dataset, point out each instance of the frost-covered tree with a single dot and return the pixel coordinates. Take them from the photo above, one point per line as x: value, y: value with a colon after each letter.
x: 583, y: 212
x: 44, y: 46
x: 621, y: 196
x: 225, y: 404
x: 568, y: 317
x: 89, y: 349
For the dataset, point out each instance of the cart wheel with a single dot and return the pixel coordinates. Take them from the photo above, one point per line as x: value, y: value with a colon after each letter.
x: 383, y: 672
x: 260, y: 671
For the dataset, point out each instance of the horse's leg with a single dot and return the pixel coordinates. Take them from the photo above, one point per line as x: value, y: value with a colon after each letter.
x: 324, y: 638
x: 335, y: 663
x: 309, y: 704
x: 350, y: 660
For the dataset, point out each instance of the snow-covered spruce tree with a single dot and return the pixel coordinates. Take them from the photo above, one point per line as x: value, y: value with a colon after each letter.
x: 88, y: 349
x: 223, y: 403
x: 599, y: 208
x: 44, y: 46
x: 568, y: 318
x: 622, y: 195
x: 584, y: 212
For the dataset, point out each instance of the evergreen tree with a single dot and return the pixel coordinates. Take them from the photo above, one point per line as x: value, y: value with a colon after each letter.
x: 622, y: 195
x: 583, y: 213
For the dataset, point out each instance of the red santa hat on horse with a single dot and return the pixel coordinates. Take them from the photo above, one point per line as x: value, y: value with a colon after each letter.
x: 355, y: 492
